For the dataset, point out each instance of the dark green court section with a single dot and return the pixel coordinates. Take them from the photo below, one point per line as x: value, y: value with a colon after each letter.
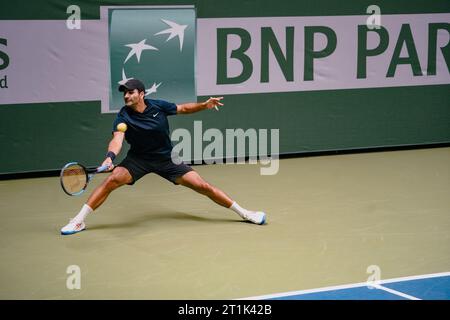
x: 56, y: 9
x: 38, y: 137
x: 46, y: 136
x: 329, y: 219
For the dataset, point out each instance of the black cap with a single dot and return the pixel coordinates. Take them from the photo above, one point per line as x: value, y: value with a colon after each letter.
x: 131, y: 85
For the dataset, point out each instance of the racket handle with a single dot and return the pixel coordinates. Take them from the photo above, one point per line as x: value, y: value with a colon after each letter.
x: 102, y: 168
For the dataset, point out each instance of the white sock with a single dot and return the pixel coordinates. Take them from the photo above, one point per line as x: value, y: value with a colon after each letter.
x: 239, y: 210
x: 83, y: 213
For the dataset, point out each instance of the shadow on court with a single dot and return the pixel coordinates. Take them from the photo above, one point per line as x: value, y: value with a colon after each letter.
x: 161, y: 216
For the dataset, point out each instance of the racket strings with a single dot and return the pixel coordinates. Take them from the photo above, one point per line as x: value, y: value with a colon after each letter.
x: 74, y: 179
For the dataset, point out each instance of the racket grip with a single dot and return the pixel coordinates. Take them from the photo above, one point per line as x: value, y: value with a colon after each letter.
x: 102, y: 168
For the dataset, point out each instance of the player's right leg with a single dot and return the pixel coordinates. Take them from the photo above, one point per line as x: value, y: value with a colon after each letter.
x: 116, y: 179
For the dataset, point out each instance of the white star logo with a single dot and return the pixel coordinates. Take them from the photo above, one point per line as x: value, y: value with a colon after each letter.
x: 124, y: 78
x: 175, y: 30
x: 152, y: 89
x: 137, y: 48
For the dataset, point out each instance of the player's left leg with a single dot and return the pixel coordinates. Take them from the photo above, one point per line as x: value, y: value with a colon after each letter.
x: 194, y: 181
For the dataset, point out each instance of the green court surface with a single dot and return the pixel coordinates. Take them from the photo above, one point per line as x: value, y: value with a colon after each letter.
x: 329, y: 219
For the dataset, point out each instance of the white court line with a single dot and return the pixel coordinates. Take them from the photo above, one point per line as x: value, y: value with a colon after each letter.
x: 397, y: 293
x: 348, y: 286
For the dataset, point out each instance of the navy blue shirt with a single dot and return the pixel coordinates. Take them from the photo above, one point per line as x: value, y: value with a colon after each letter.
x: 148, y: 132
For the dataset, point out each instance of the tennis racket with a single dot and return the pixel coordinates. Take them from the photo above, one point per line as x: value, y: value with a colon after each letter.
x: 75, y: 177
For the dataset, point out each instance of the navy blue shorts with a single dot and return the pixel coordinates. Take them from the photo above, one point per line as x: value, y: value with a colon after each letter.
x: 139, y: 167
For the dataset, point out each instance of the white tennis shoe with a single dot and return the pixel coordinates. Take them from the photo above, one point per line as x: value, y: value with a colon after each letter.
x: 257, y: 217
x: 73, y: 227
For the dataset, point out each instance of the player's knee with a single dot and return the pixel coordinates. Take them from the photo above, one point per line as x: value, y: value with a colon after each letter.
x: 115, y: 180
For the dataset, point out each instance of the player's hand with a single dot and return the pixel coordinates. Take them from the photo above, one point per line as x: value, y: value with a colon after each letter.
x: 108, y: 162
x: 214, y: 102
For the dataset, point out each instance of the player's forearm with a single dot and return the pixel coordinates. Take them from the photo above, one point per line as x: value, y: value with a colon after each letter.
x: 192, y: 107
x: 115, y: 146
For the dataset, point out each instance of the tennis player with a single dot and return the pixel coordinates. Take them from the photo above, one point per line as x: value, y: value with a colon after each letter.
x: 151, y: 151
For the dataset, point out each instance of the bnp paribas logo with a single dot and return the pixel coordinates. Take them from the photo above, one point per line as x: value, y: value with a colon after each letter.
x: 155, y: 45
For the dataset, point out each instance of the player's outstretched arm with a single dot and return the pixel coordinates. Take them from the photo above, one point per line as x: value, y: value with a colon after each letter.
x: 192, y: 107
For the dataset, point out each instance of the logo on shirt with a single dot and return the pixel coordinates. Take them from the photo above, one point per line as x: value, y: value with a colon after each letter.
x: 156, y: 46
x: 154, y: 115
